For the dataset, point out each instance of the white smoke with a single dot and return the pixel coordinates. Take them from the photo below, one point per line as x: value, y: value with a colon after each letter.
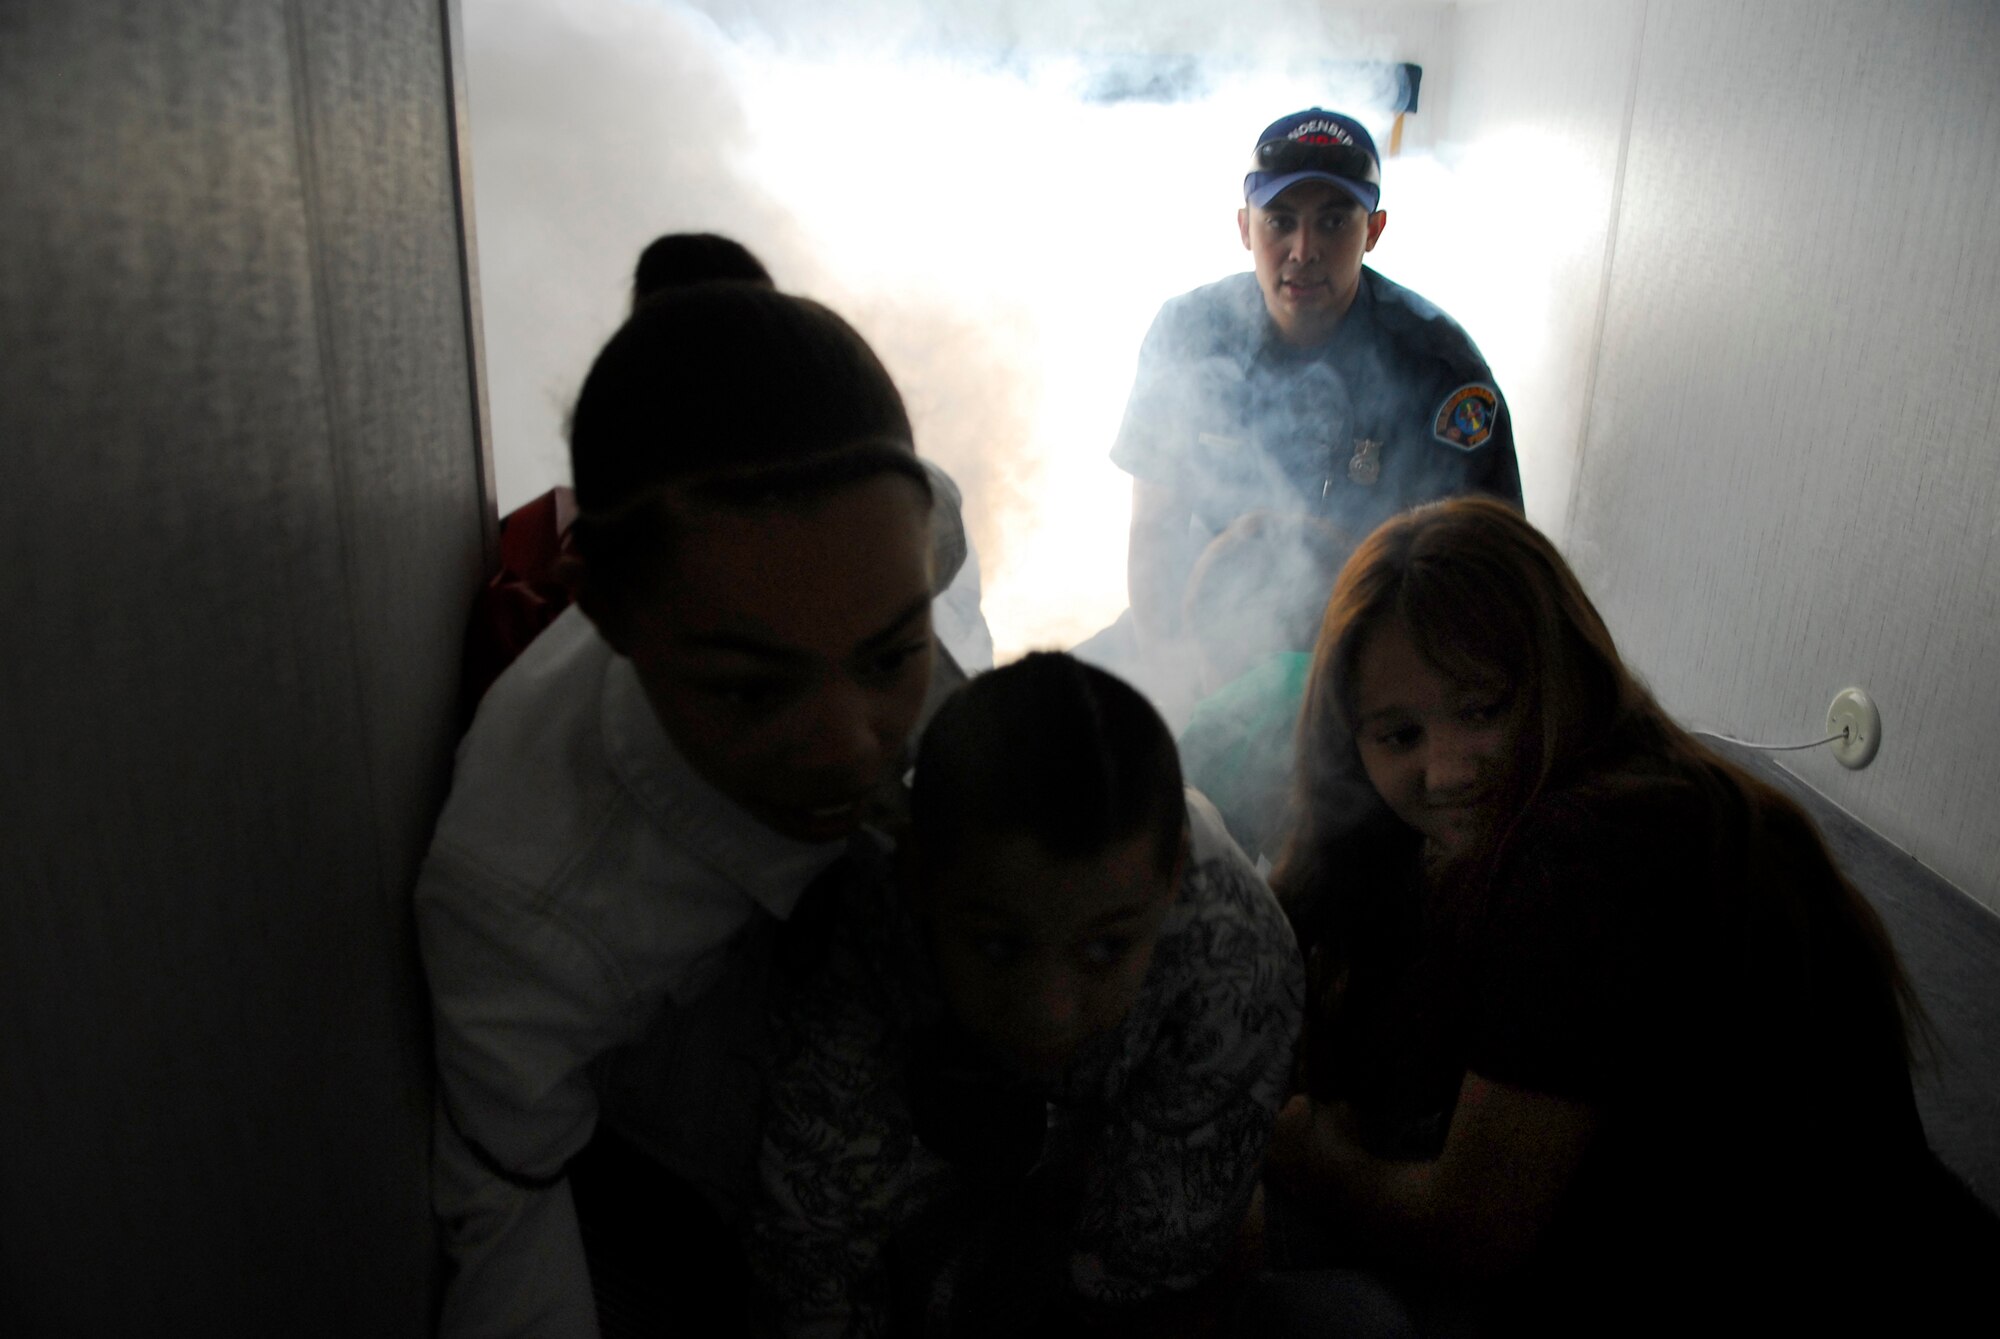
x: 999, y: 197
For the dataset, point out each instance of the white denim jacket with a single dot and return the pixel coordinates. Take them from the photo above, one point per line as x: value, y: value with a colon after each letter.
x: 595, y: 921
x: 585, y: 903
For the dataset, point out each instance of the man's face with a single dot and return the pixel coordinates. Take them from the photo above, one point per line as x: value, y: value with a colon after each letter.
x: 787, y: 650
x: 1308, y: 245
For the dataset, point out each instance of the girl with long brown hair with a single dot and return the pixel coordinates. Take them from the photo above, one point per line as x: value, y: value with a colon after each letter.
x: 1597, y: 1029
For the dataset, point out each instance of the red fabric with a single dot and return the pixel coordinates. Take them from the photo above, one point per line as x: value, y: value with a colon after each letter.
x: 523, y: 597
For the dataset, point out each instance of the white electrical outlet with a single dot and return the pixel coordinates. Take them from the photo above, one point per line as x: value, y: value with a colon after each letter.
x: 1853, y: 716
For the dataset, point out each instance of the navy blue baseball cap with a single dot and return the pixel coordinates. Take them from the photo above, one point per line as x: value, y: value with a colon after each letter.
x: 1315, y: 145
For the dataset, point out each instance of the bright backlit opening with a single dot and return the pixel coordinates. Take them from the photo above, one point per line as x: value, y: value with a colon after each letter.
x: 1000, y: 220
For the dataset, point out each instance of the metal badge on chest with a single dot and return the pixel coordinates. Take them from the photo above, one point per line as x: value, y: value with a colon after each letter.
x: 1364, y: 467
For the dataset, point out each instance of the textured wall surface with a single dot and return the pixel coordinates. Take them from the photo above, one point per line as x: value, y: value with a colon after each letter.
x: 1540, y: 96
x: 1789, y: 482
x: 1778, y: 387
x: 242, y: 525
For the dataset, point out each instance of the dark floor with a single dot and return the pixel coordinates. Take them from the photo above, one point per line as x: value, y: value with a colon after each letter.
x: 1950, y: 946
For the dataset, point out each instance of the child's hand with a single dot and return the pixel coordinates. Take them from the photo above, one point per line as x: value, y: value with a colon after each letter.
x: 1326, y: 988
x: 1308, y: 1136
x: 1327, y: 984
x: 1291, y: 1139
x: 1246, y: 1254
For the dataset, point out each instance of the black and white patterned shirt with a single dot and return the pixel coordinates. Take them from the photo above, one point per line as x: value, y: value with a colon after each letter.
x: 876, y: 1116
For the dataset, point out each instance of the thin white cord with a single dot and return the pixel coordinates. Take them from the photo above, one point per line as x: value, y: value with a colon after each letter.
x: 1783, y: 748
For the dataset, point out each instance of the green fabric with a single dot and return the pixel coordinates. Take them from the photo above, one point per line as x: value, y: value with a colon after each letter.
x: 1237, y: 748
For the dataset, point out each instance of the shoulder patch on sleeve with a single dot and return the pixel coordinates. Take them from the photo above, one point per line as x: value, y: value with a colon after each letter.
x: 1466, y: 418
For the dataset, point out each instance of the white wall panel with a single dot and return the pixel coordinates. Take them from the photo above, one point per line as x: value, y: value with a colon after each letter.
x: 1537, y: 110
x: 1790, y: 482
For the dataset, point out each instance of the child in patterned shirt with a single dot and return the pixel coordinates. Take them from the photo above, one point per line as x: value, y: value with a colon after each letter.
x: 1029, y: 1082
